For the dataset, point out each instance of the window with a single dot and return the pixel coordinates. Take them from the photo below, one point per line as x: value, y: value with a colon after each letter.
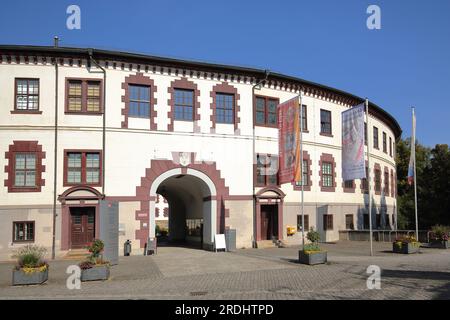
x: 224, y: 108
x: 266, y: 170
x: 82, y: 167
x: 27, y: 95
x: 25, y: 170
x: 366, y: 221
x: 386, y: 183
x: 365, y: 133
x: 327, y: 174
x: 304, y: 118
x: 325, y: 122
x: 377, y: 180
x: 266, y: 112
x: 348, y: 184
x: 23, y: 231
x: 349, y: 222
x: 364, y: 184
x: 375, y: 138
x: 384, y: 142
x: 139, y: 101
x: 83, y: 96
x: 184, y: 104
x: 390, y: 146
x: 299, y: 222
x: 327, y: 222
x: 305, y: 174
x: 377, y: 221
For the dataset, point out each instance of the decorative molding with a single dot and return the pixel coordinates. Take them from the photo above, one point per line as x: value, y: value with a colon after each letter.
x: 224, y: 87
x: 326, y: 157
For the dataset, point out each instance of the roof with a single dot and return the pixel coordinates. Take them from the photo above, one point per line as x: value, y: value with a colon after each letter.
x: 197, y: 65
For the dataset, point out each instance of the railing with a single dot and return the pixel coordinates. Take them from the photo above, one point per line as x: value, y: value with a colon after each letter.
x: 381, y: 235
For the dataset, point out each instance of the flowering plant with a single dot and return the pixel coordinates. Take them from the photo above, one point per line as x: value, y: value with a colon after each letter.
x: 95, y: 258
x: 30, y: 259
x: 439, y: 233
x: 399, y: 241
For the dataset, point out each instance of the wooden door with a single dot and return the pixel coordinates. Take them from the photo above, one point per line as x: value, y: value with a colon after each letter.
x: 82, y: 226
x: 269, y: 222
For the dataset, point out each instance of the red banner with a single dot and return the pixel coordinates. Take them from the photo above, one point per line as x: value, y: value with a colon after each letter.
x: 289, y: 141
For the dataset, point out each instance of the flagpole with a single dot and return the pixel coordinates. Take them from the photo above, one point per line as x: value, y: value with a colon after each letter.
x: 413, y: 144
x: 301, y: 170
x: 368, y: 178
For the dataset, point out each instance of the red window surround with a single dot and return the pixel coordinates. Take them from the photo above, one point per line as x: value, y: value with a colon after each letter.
x: 266, y: 100
x: 365, y: 190
x: 84, y: 83
x: 24, y: 147
x: 184, y: 83
x: 139, y: 79
x: 349, y: 190
x: 306, y: 157
x: 224, y: 87
x: 376, y: 168
x: 392, y: 184
x: 83, y: 167
x: 386, y: 181
x: 326, y: 157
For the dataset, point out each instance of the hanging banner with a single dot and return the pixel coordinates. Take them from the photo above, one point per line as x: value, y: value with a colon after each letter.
x: 353, y: 163
x: 289, y: 141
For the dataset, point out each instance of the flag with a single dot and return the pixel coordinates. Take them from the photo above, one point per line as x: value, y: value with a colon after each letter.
x: 413, y: 151
x: 353, y: 163
x: 290, y: 169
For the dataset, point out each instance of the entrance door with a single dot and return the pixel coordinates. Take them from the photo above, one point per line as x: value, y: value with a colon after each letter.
x: 269, y: 222
x: 82, y: 221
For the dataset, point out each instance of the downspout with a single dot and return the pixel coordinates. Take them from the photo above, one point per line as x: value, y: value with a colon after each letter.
x: 55, y: 170
x: 267, y: 72
x: 104, y: 118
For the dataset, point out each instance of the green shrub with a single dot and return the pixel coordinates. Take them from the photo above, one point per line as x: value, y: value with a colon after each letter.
x: 313, y: 236
x: 30, y: 256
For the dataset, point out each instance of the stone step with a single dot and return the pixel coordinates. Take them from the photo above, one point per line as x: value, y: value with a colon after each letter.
x: 77, y: 254
x: 265, y: 244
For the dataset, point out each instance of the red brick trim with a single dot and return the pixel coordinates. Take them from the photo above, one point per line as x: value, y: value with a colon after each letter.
x: 349, y: 190
x: 377, y: 167
x: 326, y: 157
x: 139, y: 79
x: 386, y: 190
x: 278, y: 191
x: 362, y: 184
x: 392, y: 184
x: 158, y: 167
x: 224, y: 87
x: 96, y: 195
x: 29, y: 147
x: 306, y: 157
x: 184, y: 83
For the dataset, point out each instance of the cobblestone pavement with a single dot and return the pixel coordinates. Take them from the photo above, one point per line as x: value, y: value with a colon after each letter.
x: 182, y: 273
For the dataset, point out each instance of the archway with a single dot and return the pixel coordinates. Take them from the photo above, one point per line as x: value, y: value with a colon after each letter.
x: 192, y: 211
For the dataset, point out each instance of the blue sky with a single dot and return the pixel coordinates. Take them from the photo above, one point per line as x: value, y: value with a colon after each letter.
x: 406, y: 63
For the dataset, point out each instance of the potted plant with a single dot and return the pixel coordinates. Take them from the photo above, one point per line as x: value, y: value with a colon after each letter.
x: 439, y: 237
x: 94, y: 267
x: 406, y: 245
x: 30, y: 268
x: 312, y: 254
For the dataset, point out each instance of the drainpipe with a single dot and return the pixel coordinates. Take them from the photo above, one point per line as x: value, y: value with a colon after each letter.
x: 55, y: 172
x: 90, y: 52
x: 267, y: 72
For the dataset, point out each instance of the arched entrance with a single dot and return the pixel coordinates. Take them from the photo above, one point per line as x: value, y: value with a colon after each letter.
x: 190, y: 194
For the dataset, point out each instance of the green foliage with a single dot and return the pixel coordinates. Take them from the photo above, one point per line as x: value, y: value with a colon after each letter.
x: 157, y: 230
x: 312, y: 247
x: 433, y: 185
x: 95, y: 248
x: 30, y: 256
x: 313, y: 236
x: 440, y: 233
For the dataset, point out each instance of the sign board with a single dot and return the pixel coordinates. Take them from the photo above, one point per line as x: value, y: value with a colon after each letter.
x: 219, y: 242
x: 109, y: 230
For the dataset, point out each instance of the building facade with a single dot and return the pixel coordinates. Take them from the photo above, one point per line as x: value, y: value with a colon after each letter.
x: 80, y: 126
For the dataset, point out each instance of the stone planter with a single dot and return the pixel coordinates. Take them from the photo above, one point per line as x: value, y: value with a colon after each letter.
x: 439, y: 244
x: 405, y: 248
x: 312, y: 258
x: 21, y: 278
x: 95, y: 273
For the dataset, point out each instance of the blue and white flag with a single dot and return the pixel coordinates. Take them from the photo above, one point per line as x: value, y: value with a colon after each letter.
x: 353, y: 164
x: 413, y: 150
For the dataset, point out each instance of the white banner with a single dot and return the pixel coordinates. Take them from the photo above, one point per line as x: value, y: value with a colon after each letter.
x: 353, y: 164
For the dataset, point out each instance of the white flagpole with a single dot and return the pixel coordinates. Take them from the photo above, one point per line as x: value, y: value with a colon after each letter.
x: 368, y: 178
x: 301, y: 170
x: 413, y: 144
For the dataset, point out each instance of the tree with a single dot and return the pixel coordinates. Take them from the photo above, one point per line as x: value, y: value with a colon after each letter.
x: 433, y: 185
